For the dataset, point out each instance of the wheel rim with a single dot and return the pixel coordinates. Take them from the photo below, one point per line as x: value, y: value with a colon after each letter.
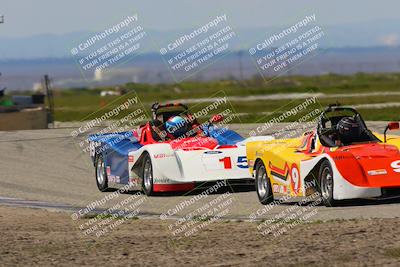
x: 262, y: 184
x: 100, y: 171
x: 326, y: 183
x: 147, y: 174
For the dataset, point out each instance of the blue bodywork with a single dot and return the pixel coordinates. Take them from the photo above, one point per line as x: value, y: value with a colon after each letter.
x: 223, y: 135
x: 115, y: 148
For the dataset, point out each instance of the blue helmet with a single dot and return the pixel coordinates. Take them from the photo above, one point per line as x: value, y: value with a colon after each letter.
x: 177, y: 126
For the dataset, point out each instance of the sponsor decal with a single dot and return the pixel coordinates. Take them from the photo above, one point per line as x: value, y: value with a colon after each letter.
x: 163, y: 155
x: 275, y: 188
x: 114, y: 179
x: 163, y: 181
x: 131, y: 159
x: 338, y: 157
x: 213, y: 152
x: 377, y: 172
x: 280, y: 189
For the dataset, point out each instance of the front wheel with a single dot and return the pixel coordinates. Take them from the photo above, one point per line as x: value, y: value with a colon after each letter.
x: 147, y: 174
x: 101, y: 174
x: 325, y: 179
x: 263, y: 185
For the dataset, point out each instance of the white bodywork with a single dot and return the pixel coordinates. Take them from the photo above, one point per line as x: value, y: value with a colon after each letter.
x: 182, y: 166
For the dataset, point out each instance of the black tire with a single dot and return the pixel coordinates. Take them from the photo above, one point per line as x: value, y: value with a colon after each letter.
x: 325, y: 180
x: 101, y: 174
x: 147, y: 175
x: 263, y: 185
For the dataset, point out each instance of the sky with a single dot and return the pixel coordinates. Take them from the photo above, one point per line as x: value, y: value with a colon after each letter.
x: 36, y: 17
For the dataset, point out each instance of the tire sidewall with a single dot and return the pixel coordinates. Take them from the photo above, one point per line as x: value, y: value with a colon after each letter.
x: 148, y: 191
x: 103, y: 186
x: 268, y: 198
x: 329, y: 200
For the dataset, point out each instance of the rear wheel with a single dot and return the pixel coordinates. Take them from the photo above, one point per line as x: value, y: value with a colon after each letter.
x: 263, y: 185
x: 325, y: 179
x: 147, y: 175
x: 101, y: 174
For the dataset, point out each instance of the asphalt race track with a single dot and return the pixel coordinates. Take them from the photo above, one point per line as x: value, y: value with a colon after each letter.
x: 46, y: 169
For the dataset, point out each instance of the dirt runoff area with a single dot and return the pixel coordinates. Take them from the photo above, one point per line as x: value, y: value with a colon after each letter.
x: 43, y: 238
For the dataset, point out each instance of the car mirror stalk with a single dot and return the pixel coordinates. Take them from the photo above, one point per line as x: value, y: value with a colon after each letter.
x: 390, y: 126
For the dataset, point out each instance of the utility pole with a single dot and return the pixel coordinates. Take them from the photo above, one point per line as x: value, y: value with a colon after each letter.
x: 50, y: 99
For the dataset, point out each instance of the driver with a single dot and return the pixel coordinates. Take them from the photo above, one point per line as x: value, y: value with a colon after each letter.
x: 348, y: 130
x: 158, y: 131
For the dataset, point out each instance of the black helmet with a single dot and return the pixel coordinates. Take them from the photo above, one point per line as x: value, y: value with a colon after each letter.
x: 349, y: 130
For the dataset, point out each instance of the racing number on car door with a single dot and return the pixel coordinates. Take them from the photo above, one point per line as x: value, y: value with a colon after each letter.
x: 395, y: 165
x: 219, y: 162
x: 295, y: 180
x: 227, y: 162
x: 241, y: 162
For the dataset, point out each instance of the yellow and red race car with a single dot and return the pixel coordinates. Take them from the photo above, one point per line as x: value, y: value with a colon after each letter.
x: 341, y: 159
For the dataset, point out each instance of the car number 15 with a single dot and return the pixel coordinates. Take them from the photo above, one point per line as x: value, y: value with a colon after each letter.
x: 241, y: 162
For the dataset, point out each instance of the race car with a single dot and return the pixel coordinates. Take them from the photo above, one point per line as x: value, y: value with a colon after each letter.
x: 339, y: 159
x: 172, y: 152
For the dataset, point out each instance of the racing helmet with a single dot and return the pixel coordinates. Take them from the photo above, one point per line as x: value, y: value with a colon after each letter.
x: 349, y: 129
x: 176, y: 126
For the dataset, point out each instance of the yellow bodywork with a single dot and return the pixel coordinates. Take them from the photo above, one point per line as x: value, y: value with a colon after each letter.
x: 281, y: 154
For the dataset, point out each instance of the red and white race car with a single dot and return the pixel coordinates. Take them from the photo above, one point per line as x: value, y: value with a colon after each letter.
x: 172, y: 152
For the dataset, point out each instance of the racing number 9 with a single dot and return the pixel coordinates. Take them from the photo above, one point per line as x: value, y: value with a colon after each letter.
x: 395, y: 165
x: 241, y: 162
x: 295, y: 181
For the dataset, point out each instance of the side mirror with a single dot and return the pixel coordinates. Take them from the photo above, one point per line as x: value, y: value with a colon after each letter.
x: 216, y: 118
x: 391, y: 126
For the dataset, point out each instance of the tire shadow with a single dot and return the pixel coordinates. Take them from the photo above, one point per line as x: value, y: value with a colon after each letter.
x: 353, y: 202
